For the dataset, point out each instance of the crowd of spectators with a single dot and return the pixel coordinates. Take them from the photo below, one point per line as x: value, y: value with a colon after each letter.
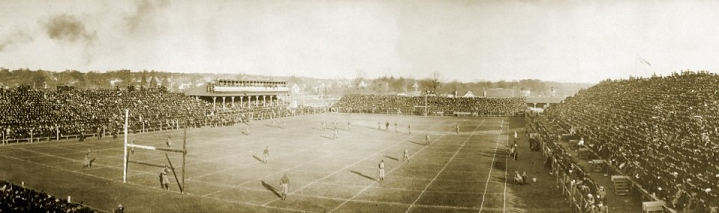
x: 559, y: 161
x: 393, y: 104
x: 46, y: 114
x: 660, y: 131
x: 19, y: 199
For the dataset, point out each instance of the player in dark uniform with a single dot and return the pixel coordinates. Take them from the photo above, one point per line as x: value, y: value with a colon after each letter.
x: 164, y: 180
x: 88, y: 160
x: 285, y: 185
x: 266, y: 153
x: 168, y: 142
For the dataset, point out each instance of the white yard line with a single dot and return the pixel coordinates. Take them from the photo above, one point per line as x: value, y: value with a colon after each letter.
x: 445, y: 166
x: 270, y: 175
x: 143, y: 187
x: 347, y: 167
x: 372, y: 184
x: 491, y: 166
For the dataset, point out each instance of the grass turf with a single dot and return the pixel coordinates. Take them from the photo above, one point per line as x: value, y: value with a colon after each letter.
x: 463, y: 172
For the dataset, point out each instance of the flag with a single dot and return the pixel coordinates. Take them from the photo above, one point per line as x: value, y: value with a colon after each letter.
x: 645, y: 62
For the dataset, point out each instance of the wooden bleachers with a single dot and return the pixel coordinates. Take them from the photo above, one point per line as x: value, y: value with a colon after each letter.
x: 622, y: 185
x: 653, y: 207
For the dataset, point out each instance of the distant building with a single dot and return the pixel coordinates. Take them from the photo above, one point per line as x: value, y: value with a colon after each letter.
x: 469, y: 94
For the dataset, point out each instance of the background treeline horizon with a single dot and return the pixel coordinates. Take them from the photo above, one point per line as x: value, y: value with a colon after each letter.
x: 176, y: 82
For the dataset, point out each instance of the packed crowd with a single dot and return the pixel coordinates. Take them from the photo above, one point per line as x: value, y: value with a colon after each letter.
x: 18, y: 199
x: 588, y: 195
x: 660, y: 131
x: 392, y: 104
x: 49, y: 113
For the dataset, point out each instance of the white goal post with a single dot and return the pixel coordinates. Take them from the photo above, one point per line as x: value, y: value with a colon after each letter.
x: 126, y: 159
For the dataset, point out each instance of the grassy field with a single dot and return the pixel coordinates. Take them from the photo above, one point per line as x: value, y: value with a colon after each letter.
x: 458, y: 172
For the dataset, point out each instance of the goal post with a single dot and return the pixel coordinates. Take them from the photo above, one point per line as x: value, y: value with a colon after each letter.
x: 126, y: 157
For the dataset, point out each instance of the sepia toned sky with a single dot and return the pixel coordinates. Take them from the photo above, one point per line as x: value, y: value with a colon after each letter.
x: 569, y: 41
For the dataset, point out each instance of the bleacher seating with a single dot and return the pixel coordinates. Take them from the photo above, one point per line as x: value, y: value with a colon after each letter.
x: 661, y: 132
x: 436, y: 105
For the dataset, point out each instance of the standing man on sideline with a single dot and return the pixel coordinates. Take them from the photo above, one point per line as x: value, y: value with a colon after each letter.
x: 285, y: 185
x: 395, y: 126
x: 386, y: 126
x: 266, y: 153
x: 406, y: 156
x: 381, y: 170
x: 409, y: 129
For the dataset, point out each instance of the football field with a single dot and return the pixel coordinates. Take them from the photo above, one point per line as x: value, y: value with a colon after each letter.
x: 462, y: 171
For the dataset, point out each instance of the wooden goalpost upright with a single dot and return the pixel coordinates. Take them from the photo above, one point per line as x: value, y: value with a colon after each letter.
x: 126, y: 160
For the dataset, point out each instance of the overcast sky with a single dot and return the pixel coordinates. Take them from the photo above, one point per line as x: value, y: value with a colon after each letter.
x: 570, y: 41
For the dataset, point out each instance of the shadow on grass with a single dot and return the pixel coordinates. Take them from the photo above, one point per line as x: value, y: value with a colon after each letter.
x: 318, y: 129
x: 271, y: 188
x: 245, y: 133
x: 363, y: 175
x: 422, y: 144
x: 258, y: 158
x: 273, y: 126
x: 390, y: 157
x: 500, y: 165
x: 328, y: 137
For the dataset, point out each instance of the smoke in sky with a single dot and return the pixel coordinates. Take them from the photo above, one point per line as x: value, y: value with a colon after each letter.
x: 68, y: 28
x: 14, y: 39
x: 143, y: 15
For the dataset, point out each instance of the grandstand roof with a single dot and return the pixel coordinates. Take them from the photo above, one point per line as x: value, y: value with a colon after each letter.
x: 202, y: 92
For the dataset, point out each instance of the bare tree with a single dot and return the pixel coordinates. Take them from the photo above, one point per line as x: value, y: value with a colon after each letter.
x: 432, y: 84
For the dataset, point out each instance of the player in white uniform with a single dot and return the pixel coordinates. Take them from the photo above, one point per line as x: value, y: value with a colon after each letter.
x: 381, y: 170
x: 406, y: 156
x: 337, y: 133
x: 428, y: 139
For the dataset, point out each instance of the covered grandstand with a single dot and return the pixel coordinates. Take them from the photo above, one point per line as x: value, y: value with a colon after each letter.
x: 242, y: 93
